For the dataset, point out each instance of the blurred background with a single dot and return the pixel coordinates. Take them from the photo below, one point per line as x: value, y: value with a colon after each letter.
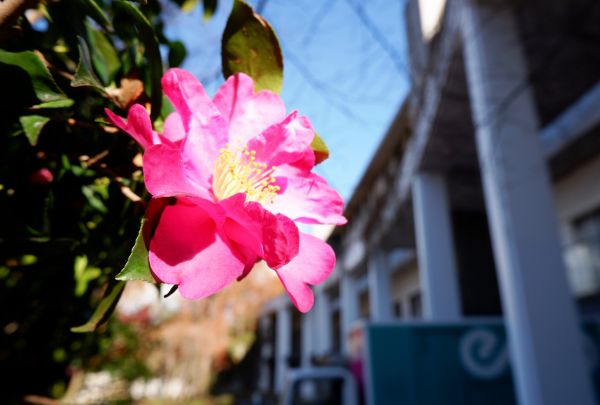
x: 464, y: 137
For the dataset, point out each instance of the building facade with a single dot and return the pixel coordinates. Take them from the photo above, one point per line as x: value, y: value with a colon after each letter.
x: 482, y: 200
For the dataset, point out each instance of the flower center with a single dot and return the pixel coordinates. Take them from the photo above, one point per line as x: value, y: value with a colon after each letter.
x: 237, y: 171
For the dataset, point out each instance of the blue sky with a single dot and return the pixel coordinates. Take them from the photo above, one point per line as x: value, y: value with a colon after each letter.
x: 344, y: 68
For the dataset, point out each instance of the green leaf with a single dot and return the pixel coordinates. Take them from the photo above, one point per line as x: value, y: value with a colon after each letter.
x: 150, y: 42
x: 93, y: 199
x: 319, y: 148
x: 104, y: 56
x: 210, y: 6
x: 250, y: 45
x: 104, y: 309
x: 67, y: 102
x: 188, y: 5
x: 84, y: 75
x: 91, y: 8
x: 43, y: 85
x: 84, y: 274
x: 137, y: 266
x: 33, y: 125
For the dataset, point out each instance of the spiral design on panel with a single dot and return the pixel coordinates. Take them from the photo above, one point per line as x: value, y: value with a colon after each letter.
x: 483, y: 354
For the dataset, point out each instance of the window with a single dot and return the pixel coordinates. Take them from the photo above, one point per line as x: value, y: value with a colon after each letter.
x: 583, y: 255
x: 364, y: 305
x: 587, y: 227
x: 416, y: 307
x: 336, y: 331
x: 397, y: 309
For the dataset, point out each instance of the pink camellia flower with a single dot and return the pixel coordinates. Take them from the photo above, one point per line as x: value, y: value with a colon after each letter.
x: 240, y: 170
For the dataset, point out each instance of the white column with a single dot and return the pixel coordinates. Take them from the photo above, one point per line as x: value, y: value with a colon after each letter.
x: 265, y: 353
x: 283, y: 346
x: 543, y: 329
x: 379, y: 288
x: 323, y: 330
x: 307, y: 338
x: 435, y: 248
x: 348, y: 307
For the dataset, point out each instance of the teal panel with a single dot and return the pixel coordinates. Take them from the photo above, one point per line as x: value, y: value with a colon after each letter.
x: 438, y: 364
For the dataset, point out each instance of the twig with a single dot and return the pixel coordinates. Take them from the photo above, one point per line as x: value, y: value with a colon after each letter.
x: 39, y: 400
x: 106, y: 128
x: 94, y: 159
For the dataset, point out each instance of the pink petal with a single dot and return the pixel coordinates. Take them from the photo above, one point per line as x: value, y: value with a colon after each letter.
x: 138, y: 125
x: 247, y: 113
x: 273, y: 238
x: 309, y: 199
x: 202, y: 146
x: 241, y: 228
x: 205, y: 127
x: 188, y: 97
x: 187, y: 250
x: 314, y: 263
x: 167, y: 172
x: 280, y: 236
x: 287, y: 142
x: 173, y: 129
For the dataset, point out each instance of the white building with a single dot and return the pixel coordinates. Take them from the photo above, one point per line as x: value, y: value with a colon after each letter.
x: 483, y: 198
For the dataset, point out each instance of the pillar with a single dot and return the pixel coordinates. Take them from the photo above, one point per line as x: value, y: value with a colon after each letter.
x: 283, y: 334
x: 323, y: 328
x: 349, y: 307
x: 308, y: 333
x: 379, y: 288
x: 435, y: 248
x: 542, y: 324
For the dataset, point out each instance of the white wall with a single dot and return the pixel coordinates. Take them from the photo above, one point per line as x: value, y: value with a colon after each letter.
x: 576, y: 195
x: 405, y: 283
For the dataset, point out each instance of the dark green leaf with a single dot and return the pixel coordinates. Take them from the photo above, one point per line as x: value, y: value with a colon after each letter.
x: 43, y: 84
x: 104, y: 309
x: 137, y: 267
x: 150, y: 42
x: 91, y: 8
x: 319, y: 148
x: 33, y: 125
x: 210, y: 6
x: 84, y: 75
x: 177, y: 53
x: 104, y: 56
x: 250, y: 45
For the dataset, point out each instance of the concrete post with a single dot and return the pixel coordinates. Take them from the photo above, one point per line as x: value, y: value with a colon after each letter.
x: 323, y: 328
x: 435, y: 248
x: 265, y: 354
x: 379, y: 288
x: 283, y: 346
x: 543, y: 329
x: 349, y: 307
x: 307, y: 338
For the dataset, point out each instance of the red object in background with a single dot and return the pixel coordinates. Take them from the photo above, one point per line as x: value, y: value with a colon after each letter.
x: 41, y: 177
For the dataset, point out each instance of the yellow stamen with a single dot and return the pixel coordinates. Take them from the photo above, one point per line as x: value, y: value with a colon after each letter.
x: 237, y: 171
